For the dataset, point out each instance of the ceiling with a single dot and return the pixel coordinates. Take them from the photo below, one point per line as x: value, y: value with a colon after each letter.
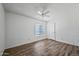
x: 31, y: 9
x: 28, y: 9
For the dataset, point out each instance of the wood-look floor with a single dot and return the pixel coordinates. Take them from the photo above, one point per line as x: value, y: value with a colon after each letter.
x: 46, y: 47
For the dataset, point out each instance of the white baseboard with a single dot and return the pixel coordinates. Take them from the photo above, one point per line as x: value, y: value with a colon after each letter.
x: 1, y: 53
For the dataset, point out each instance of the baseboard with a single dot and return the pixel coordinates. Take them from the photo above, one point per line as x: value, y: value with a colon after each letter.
x: 1, y: 53
x: 64, y: 41
x: 24, y: 43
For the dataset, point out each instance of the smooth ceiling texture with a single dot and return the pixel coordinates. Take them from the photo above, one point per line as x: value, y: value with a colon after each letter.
x: 28, y: 9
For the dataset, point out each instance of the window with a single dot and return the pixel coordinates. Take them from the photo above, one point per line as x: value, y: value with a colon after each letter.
x: 39, y: 29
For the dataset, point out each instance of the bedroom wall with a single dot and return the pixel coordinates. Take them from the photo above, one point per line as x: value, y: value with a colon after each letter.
x: 20, y: 30
x: 2, y: 29
x: 66, y: 17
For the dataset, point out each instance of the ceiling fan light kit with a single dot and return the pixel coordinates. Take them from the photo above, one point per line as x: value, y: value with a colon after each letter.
x: 43, y: 11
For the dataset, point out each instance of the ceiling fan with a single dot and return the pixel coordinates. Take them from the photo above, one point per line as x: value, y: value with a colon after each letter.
x: 43, y: 11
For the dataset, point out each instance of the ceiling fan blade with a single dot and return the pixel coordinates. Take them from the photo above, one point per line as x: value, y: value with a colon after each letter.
x: 47, y: 12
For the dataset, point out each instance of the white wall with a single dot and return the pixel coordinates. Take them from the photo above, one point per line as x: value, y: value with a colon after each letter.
x: 66, y: 17
x: 51, y: 30
x: 20, y: 30
x: 2, y: 29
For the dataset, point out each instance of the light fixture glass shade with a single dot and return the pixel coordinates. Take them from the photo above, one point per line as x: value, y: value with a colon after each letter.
x: 39, y: 12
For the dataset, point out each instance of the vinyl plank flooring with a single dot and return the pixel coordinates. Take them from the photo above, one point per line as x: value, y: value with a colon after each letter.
x: 45, y: 47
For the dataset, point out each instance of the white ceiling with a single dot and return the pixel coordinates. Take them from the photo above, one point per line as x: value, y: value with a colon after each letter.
x: 28, y: 9
x: 31, y: 9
